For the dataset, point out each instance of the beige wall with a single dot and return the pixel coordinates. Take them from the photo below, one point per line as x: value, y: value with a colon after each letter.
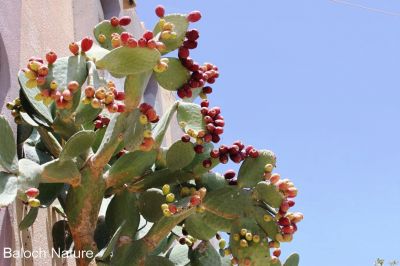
x: 32, y: 28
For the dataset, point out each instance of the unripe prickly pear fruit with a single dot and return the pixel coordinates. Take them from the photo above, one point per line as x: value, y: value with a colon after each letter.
x: 243, y: 243
x: 43, y: 70
x: 143, y: 119
x: 51, y: 57
x: 96, y: 103
x: 222, y: 244
x: 34, y: 65
x: 40, y: 80
x: 74, y: 48
x: 164, y: 206
x: 32, y: 192
x: 101, y: 38
x: 195, y: 200
x: 34, y: 203
x: 30, y: 74
x: 166, y: 189
x: 67, y: 95
x: 86, y: 44
x: 170, y: 197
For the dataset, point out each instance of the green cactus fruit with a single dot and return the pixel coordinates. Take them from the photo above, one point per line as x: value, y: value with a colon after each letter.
x: 62, y: 238
x: 135, y: 85
x: 197, y: 228
x: 8, y: 154
x: 8, y: 188
x: 150, y: 203
x: 123, y: 207
x: 174, y: 77
x: 157, y: 261
x: 212, y: 181
x: 130, y: 167
x: 134, y: 133
x: 292, y: 260
x: 204, y: 255
x: 179, y: 155
x: 105, y: 28
x: 257, y: 252
x: 126, y: 61
x: 252, y: 169
x: 58, y: 171
x: 161, y: 128
x: 79, y: 143
x: 190, y: 118
x: 181, y: 25
x: 268, y: 193
x: 29, y: 219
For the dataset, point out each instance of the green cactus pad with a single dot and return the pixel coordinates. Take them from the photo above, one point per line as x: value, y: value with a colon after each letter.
x: 8, y: 188
x: 252, y: 169
x: 271, y: 228
x: 228, y: 202
x: 161, y: 128
x: 77, y: 144
x: 127, y: 61
x: 8, y: 154
x: 66, y: 69
x: 292, y: 260
x: 179, y: 255
x: 179, y: 155
x: 157, y: 261
x: 29, y: 219
x: 181, y: 26
x: 133, y: 136
x: 135, y: 85
x: 174, y: 77
x: 161, y: 162
x: 150, y: 204
x: 190, y: 117
x: 58, y: 171
x: 268, y: 193
x: 96, y: 52
x: 131, y: 166
x: 197, y: 228
x: 123, y: 207
x: 204, y: 255
x: 30, y: 93
x: 212, y: 181
x: 106, y: 251
x: 107, y: 29
x: 62, y: 238
x: 29, y: 175
x: 49, y: 192
x: 257, y: 252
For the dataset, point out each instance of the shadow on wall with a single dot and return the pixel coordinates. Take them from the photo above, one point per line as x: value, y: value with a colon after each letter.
x: 4, y: 73
x: 111, y: 8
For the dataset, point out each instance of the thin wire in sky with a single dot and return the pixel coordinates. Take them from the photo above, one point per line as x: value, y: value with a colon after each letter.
x: 377, y: 10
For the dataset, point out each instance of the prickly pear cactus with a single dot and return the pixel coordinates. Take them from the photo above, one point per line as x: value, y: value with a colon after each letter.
x: 82, y: 139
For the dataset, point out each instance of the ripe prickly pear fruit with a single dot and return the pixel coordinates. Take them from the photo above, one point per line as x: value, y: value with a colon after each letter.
x: 86, y: 44
x: 114, y: 21
x: 74, y: 48
x: 160, y: 11
x: 32, y: 192
x: 124, y: 21
x: 194, y: 16
x: 51, y: 57
x: 73, y: 86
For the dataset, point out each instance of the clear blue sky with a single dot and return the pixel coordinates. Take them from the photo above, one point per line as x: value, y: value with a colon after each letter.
x: 318, y: 83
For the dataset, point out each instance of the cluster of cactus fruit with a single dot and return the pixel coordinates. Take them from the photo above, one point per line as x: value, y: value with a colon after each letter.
x: 81, y: 139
